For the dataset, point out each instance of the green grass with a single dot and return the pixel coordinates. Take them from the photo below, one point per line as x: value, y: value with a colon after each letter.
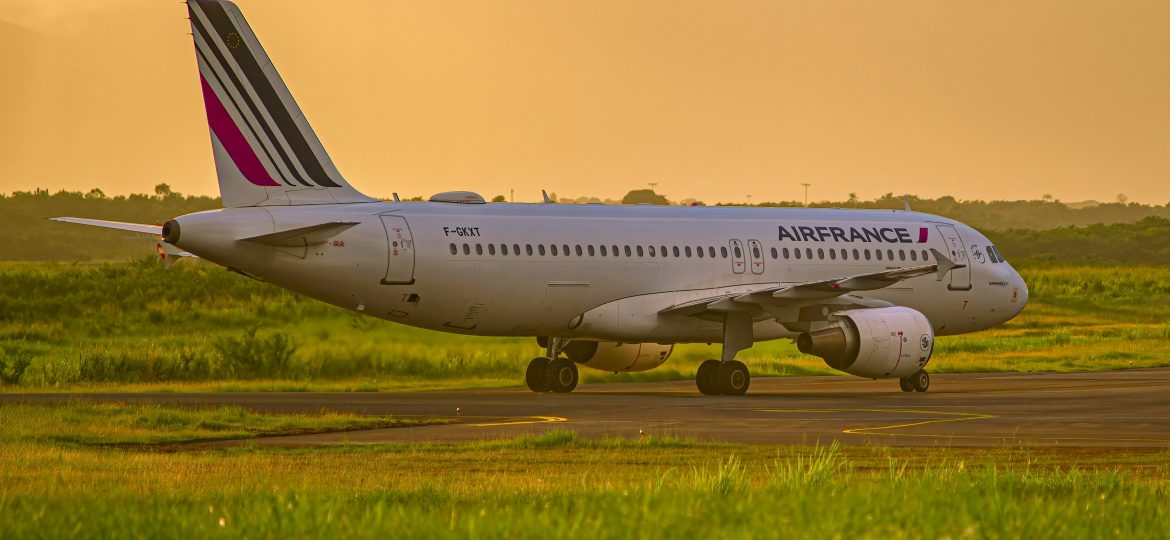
x: 557, y: 485
x: 119, y: 326
x: 89, y: 423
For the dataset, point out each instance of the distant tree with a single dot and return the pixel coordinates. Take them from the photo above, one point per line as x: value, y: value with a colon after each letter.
x: 1122, y: 199
x: 644, y: 196
x: 1047, y: 197
x: 499, y: 198
x: 95, y: 193
x: 852, y: 199
x: 163, y: 191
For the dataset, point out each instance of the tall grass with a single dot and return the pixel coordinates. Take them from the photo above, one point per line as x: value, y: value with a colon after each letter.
x: 71, y: 325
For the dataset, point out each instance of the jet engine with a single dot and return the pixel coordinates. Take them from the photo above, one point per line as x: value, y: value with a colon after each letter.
x: 618, y: 357
x: 875, y: 343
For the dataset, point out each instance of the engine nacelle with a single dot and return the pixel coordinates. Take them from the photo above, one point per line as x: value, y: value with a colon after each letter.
x: 618, y: 357
x: 874, y: 343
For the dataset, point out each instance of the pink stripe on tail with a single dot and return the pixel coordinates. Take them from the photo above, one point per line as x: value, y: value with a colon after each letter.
x: 233, y: 140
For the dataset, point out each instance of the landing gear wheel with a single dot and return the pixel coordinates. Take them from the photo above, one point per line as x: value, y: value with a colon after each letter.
x: 561, y: 375
x: 705, y: 377
x: 920, y: 381
x: 905, y: 384
x: 733, y: 378
x: 534, y: 375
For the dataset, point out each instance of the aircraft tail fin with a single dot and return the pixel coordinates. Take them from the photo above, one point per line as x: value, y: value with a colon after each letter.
x: 265, y: 151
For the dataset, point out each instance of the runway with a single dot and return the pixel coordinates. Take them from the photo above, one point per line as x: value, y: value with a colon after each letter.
x: 1115, y: 409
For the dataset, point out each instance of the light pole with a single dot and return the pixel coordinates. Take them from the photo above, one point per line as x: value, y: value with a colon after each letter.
x: 652, y: 184
x: 806, y: 185
x: 749, y: 199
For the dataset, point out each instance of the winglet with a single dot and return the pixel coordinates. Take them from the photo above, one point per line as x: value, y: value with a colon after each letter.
x: 945, y: 264
x: 545, y: 195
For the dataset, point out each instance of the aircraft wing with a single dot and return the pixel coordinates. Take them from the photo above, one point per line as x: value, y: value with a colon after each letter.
x: 122, y: 226
x: 794, y: 295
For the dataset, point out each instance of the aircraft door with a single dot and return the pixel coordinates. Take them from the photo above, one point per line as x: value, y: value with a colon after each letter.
x: 400, y: 252
x: 960, y: 277
x: 738, y: 264
x: 756, y: 252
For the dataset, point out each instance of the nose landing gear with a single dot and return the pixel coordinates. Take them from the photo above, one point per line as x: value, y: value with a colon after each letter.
x: 918, y: 382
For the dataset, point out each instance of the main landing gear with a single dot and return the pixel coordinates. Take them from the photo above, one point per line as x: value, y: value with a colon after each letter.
x: 918, y: 382
x: 550, y: 373
x: 730, y: 378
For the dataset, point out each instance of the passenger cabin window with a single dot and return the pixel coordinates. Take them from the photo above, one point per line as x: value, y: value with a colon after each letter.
x: 722, y: 251
x: 479, y: 249
x: 503, y: 249
x: 711, y: 251
x: 784, y: 252
x: 866, y: 252
x: 775, y: 254
x: 796, y: 252
x: 821, y: 254
x: 466, y: 249
x: 675, y: 250
x: 540, y: 248
x: 640, y: 251
x: 454, y: 250
x: 591, y: 253
x: 856, y: 255
x: 528, y: 249
x: 578, y: 250
x: 925, y: 255
x: 602, y: 248
x: 491, y: 249
x: 901, y: 255
x: 628, y: 252
x: 890, y: 254
x: 913, y: 255
x: 516, y: 249
x: 699, y: 251
x: 662, y: 251
x: 738, y: 252
x: 688, y: 250
x: 808, y: 253
x: 832, y: 254
x: 652, y: 251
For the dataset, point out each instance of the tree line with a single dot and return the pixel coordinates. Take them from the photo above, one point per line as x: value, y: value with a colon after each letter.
x: 1044, y: 229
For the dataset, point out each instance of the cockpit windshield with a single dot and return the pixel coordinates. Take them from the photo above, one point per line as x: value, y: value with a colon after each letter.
x: 994, y: 255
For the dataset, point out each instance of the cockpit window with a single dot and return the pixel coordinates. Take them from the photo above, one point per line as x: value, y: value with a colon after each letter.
x: 994, y: 255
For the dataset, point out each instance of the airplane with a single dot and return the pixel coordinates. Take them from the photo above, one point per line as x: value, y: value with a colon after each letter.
x: 608, y: 287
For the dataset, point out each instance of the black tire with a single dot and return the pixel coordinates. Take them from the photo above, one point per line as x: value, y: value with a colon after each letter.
x: 705, y: 378
x: 920, y: 381
x: 561, y: 375
x: 733, y: 378
x: 905, y: 384
x: 534, y: 375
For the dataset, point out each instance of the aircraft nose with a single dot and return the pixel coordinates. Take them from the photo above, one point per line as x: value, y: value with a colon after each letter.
x: 1021, y: 294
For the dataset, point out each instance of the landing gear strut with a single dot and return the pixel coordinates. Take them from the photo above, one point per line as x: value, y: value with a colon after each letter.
x: 550, y: 373
x: 918, y: 382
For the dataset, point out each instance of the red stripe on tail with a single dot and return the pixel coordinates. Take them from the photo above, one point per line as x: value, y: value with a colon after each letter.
x: 233, y: 140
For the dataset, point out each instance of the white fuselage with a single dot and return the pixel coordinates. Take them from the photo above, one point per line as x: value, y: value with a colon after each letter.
x: 600, y: 272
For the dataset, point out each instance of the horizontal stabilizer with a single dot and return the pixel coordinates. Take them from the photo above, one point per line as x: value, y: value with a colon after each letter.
x: 302, y: 236
x: 133, y: 227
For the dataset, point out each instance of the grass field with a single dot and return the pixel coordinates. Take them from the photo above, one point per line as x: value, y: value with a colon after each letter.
x: 120, y: 326
x: 556, y: 485
x: 93, y: 470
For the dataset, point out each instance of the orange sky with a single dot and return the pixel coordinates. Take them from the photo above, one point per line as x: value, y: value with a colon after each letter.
x: 711, y: 99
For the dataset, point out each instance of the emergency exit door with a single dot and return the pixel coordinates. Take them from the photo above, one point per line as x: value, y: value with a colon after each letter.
x: 400, y: 252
